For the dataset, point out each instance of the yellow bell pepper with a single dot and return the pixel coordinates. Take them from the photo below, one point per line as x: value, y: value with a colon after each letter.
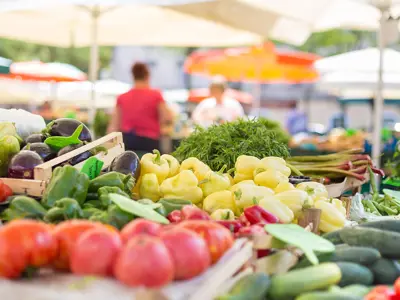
x: 269, y: 178
x: 136, y: 189
x: 223, y: 214
x: 283, y: 187
x: 173, y: 164
x: 149, y: 187
x: 215, y: 182
x: 245, y: 166
x: 294, y: 199
x: 153, y: 163
x: 333, y: 215
x: 277, y: 208
x: 315, y: 190
x: 182, y: 186
x: 248, y: 195
x: 275, y: 163
x: 199, y: 168
x: 218, y: 200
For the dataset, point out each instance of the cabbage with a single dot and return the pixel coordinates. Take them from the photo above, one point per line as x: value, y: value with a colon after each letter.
x: 25, y: 122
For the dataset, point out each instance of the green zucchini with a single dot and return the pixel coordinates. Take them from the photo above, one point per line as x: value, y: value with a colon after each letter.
x: 389, y: 225
x: 322, y: 257
x: 386, y: 242
x: 297, y: 282
x: 356, y: 290
x: 359, y: 255
x: 327, y: 296
x: 354, y: 274
x: 333, y: 237
x: 251, y: 287
x: 385, y: 271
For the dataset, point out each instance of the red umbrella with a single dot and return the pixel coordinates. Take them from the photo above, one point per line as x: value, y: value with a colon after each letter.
x: 39, y: 71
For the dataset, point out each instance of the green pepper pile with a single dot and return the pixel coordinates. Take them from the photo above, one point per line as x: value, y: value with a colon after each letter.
x: 70, y: 194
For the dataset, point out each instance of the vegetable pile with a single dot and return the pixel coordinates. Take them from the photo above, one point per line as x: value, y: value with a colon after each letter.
x: 353, y: 263
x: 221, y: 145
x: 179, y: 253
x: 335, y: 167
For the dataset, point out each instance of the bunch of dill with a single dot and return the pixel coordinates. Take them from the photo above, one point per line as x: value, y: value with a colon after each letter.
x: 221, y: 145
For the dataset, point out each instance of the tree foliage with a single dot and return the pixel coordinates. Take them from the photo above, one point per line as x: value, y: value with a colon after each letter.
x: 79, y: 57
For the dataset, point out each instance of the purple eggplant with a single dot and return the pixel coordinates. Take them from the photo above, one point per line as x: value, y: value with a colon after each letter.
x: 45, y: 152
x: 35, y: 138
x: 66, y: 127
x: 23, y: 163
x: 126, y: 163
x: 76, y: 159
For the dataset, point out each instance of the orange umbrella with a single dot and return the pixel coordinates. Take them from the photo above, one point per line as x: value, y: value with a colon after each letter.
x: 260, y: 64
x: 39, y: 71
x: 198, y: 95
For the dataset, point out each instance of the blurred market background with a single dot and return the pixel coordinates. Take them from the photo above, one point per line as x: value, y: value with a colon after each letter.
x: 333, y: 106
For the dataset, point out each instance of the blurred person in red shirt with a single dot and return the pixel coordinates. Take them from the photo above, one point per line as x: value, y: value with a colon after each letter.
x: 140, y: 113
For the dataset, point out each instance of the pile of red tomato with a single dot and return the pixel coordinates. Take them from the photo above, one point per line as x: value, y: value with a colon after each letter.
x: 384, y: 292
x: 144, y: 253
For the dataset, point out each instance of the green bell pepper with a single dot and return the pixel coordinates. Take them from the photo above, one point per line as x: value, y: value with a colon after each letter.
x: 66, y: 182
x: 173, y: 204
x: 117, y: 217
x: 23, y: 207
x: 115, y: 179
x: 101, y: 217
x: 91, y: 211
x: 91, y: 196
x: 103, y: 194
x: 64, y: 209
x: 93, y: 204
x: 158, y: 207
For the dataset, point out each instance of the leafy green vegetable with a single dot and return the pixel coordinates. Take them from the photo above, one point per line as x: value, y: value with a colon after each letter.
x: 221, y: 145
x: 137, y: 209
x: 295, y: 235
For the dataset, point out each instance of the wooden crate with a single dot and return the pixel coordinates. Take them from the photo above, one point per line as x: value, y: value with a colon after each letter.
x: 113, y: 142
x: 52, y: 286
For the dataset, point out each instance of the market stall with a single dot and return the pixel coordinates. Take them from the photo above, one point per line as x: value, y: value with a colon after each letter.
x: 82, y: 217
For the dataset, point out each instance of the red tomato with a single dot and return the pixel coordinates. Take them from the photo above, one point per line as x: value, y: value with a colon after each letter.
x: 397, y: 286
x: 140, y: 226
x: 189, y: 252
x: 35, y: 238
x: 5, y: 192
x: 219, y: 239
x: 380, y: 292
x: 144, y: 261
x: 13, y: 258
x: 95, y: 252
x: 66, y: 234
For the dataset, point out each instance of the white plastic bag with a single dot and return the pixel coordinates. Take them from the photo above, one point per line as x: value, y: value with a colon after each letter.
x: 25, y: 122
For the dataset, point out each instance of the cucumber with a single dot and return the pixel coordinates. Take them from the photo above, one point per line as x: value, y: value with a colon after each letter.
x: 304, y: 262
x: 354, y: 274
x: 359, y: 255
x: 389, y: 225
x: 296, y: 282
x: 333, y: 237
x: 385, y: 271
x: 327, y: 296
x: 251, y: 287
x: 356, y: 290
x: 386, y: 242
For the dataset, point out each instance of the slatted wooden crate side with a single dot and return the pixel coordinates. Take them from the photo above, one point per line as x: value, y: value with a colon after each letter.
x: 113, y: 142
x: 44, y: 171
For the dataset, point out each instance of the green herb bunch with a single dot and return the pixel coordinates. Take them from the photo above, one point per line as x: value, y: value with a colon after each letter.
x: 221, y: 145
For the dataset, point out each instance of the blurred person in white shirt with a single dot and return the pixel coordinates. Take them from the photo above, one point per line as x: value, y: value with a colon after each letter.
x: 218, y: 108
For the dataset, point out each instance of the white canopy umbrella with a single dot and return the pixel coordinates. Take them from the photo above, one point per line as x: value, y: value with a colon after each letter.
x: 369, y: 73
x: 115, y: 22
